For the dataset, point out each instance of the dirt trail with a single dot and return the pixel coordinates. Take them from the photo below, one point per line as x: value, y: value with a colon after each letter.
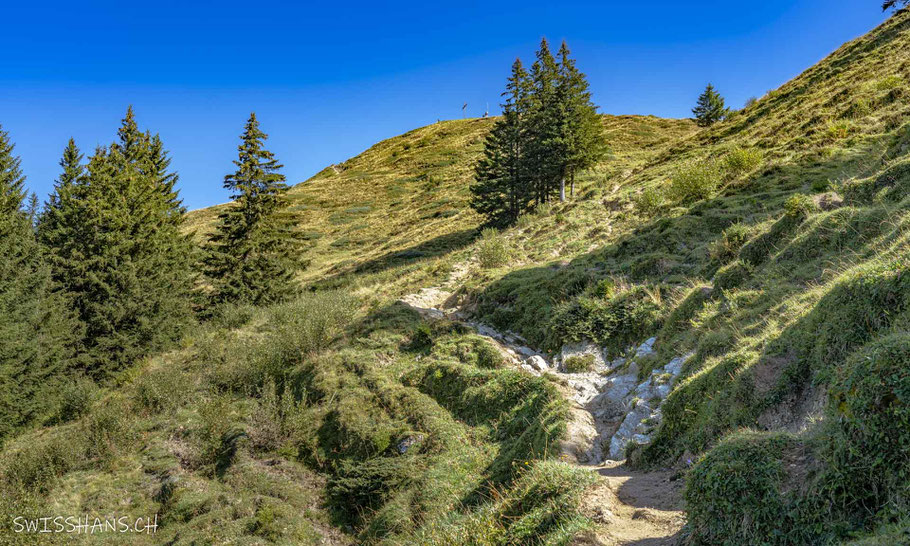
x: 631, y: 507
x: 634, y: 508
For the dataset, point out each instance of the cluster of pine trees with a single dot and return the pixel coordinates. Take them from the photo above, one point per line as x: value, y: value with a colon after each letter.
x: 104, y: 273
x: 548, y: 133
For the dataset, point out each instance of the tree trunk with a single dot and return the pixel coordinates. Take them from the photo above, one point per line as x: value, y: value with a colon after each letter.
x: 562, y: 189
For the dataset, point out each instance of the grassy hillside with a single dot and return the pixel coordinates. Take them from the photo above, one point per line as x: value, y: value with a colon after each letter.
x: 773, y: 246
x: 403, y: 204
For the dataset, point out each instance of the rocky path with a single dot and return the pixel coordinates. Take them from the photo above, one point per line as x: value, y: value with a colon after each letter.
x: 611, y: 406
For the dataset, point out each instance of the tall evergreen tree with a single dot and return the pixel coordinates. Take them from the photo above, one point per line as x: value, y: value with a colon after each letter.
x: 115, y: 234
x: 37, y: 330
x: 501, y: 191
x: 251, y: 256
x: 545, y: 145
x: 548, y: 133
x: 710, y: 108
x: 581, y: 131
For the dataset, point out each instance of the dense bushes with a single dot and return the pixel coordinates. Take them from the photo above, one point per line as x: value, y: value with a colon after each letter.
x: 694, y: 181
x: 618, y: 321
x: 870, y: 409
x: 491, y: 249
x: 740, y: 492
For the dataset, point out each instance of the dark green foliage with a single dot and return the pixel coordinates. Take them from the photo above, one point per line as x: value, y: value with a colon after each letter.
x: 549, y: 132
x: 579, y: 363
x: 734, y: 494
x: 251, y: 257
x: 732, y: 275
x: 870, y: 451
x: 501, y: 191
x: 733, y: 239
x: 616, y: 322
x: 488, y: 356
x: 37, y: 330
x: 114, y: 233
x: 710, y: 108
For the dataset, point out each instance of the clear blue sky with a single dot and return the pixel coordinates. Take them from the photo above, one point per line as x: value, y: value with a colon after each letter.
x: 329, y: 79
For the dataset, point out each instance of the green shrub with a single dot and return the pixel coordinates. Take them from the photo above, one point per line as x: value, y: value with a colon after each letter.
x: 888, y: 83
x: 727, y: 246
x: 488, y: 356
x: 311, y: 322
x: 74, y: 399
x: 736, y: 494
x: 820, y: 185
x: 216, y: 436
x: 650, y: 202
x: 579, y: 363
x: 161, y: 389
x: 232, y: 315
x: 421, y: 338
x: 742, y: 161
x: 799, y: 205
x: 491, y: 249
x: 870, y: 403
x: 31, y: 463
x: 695, y: 181
x: 275, y: 418
x: 732, y: 275
x: 838, y: 130
x: 628, y: 317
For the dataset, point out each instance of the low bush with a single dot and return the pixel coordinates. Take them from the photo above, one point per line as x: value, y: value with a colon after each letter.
x: 74, y: 399
x: 650, y: 202
x: 491, y: 249
x: 727, y: 246
x: 626, y: 318
x: 732, y: 275
x: 579, y: 363
x: 736, y: 494
x: 741, y: 161
x: 870, y: 404
x: 161, y: 389
x: 695, y: 181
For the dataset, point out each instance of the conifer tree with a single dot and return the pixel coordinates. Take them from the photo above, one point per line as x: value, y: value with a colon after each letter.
x: 710, y: 108
x: 115, y: 234
x: 581, y: 134
x: 251, y: 256
x: 501, y: 192
x: 37, y: 331
x: 545, y: 145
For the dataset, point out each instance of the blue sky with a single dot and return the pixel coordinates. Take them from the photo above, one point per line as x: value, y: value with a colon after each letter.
x: 329, y: 79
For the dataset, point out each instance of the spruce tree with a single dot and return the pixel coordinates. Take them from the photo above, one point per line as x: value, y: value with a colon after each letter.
x: 545, y: 145
x: 118, y: 249
x: 251, y: 256
x: 37, y: 331
x: 501, y: 192
x: 581, y: 134
x: 710, y: 108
